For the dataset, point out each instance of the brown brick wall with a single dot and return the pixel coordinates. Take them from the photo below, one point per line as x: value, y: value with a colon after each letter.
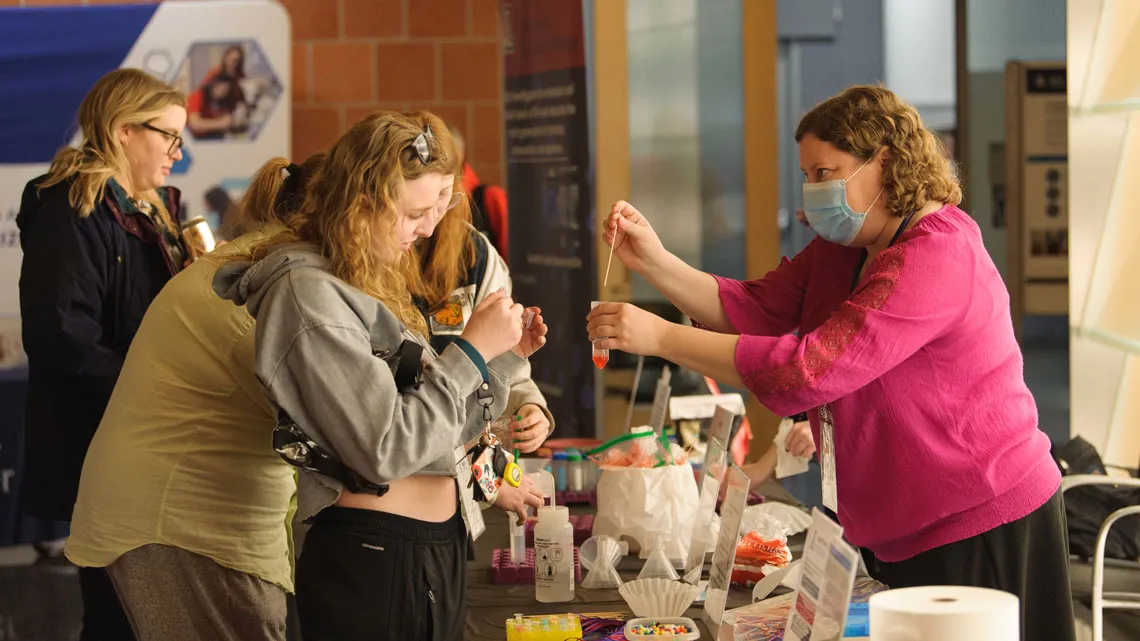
x: 351, y: 57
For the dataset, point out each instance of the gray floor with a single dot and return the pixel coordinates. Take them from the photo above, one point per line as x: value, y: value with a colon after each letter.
x: 37, y: 602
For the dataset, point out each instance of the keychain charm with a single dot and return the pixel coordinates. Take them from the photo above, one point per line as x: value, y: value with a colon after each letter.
x: 490, y: 464
x: 512, y: 474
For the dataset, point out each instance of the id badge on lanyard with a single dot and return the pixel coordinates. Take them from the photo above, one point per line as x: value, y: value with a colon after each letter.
x: 472, y: 513
x: 827, y: 458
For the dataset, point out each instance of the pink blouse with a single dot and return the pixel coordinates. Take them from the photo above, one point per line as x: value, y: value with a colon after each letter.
x: 935, y: 431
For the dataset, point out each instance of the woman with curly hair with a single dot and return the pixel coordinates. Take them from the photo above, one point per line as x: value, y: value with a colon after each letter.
x: 892, y: 329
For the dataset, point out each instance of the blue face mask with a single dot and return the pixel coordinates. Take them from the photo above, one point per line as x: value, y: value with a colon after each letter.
x: 827, y: 211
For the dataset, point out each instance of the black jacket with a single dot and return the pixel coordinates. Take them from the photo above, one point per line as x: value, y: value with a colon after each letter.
x: 85, y: 284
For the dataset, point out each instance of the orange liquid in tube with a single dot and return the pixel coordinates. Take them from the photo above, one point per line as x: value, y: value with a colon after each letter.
x: 600, y: 356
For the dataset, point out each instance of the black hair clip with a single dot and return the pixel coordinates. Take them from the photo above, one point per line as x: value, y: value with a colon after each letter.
x: 290, y: 193
x: 422, y: 146
x: 293, y: 180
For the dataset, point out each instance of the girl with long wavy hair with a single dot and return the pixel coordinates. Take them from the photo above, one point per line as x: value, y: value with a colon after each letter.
x: 892, y: 330
x: 380, y: 421
x: 454, y: 270
x: 100, y: 238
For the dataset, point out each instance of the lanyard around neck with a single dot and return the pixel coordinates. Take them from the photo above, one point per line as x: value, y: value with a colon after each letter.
x: 863, y: 254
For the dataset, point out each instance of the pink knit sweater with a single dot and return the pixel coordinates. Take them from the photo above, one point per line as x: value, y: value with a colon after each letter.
x: 936, y: 434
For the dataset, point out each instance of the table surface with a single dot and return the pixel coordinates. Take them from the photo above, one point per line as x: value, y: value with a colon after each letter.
x: 489, y: 605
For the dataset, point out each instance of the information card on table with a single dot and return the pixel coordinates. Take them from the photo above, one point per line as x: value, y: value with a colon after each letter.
x: 724, y: 554
x: 721, y: 426
x: 711, y: 473
x: 827, y: 578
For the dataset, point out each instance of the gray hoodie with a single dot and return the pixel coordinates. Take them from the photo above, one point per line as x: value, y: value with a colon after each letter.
x: 316, y: 336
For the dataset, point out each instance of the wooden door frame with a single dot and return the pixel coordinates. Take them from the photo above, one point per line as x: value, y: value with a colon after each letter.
x: 760, y: 48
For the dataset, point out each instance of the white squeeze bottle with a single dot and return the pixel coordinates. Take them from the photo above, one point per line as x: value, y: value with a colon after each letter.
x: 554, y: 555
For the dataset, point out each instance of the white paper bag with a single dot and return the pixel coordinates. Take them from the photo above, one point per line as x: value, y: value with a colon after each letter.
x: 644, y: 503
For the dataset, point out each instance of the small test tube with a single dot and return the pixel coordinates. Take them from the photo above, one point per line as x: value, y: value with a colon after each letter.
x: 601, y: 357
x: 518, y: 539
x: 518, y: 532
x: 561, y: 465
x: 574, y: 462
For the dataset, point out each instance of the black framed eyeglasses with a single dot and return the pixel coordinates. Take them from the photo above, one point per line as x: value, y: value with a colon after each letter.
x: 422, y: 145
x: 176, y: 141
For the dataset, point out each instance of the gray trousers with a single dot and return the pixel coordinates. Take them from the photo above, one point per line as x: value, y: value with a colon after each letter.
x: 170, y: 594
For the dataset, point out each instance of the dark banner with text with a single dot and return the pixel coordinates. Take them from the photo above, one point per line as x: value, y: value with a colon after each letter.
x: 551, y: 197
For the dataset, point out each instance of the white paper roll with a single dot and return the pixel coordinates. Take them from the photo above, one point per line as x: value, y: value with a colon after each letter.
x: 944, y: 613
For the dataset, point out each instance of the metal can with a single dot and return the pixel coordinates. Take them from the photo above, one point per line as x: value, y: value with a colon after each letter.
x: 198, y: 237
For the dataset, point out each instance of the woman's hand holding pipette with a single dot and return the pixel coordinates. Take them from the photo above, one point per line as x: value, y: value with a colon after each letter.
x: 632, y: 238
x: 638, y: 247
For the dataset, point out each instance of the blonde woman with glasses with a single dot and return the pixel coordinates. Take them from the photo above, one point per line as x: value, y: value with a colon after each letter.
x: 100, y: 238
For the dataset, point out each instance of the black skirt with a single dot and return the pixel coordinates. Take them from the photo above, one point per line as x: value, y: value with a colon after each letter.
x: 1028, y: 557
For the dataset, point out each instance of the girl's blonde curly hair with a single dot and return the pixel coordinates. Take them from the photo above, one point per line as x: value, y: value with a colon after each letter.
x: 865, y: 118
x: 354, y: 193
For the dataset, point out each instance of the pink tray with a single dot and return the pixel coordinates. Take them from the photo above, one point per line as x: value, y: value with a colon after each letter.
x: 583, y: 529
x: 585, y: 497
x: 503, y: 571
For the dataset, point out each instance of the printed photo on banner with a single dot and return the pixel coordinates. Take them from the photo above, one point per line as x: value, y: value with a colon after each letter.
x: 11, y: 344
x: 215, y: 204
x: 232, y: 90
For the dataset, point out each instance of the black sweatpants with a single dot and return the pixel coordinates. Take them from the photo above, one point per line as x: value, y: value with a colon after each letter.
x: 1028, y: 557
x: 366, y: 575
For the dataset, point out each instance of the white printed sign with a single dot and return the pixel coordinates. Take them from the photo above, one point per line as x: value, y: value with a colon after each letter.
x: 724, y: 554
x: 710, y: 480
x: 827, y: 578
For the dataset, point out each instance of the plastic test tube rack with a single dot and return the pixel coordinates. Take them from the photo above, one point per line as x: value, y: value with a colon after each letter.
x: 585, y: 497
x: 503, y: 571
x: 583, y: 529
x: 553, y: 627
